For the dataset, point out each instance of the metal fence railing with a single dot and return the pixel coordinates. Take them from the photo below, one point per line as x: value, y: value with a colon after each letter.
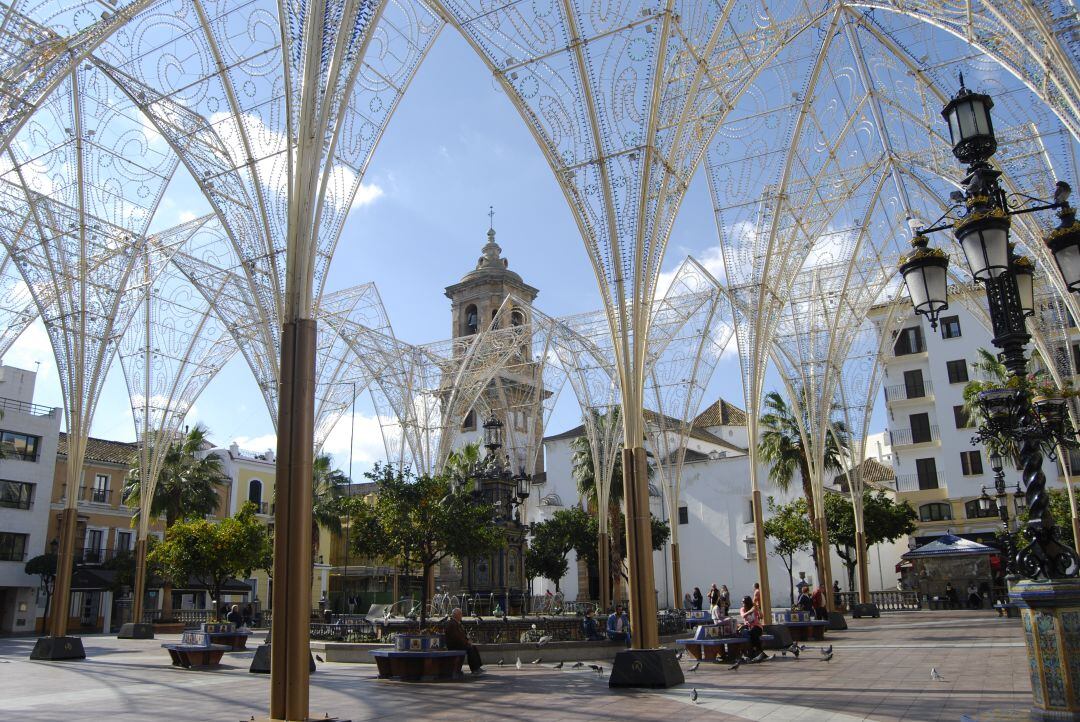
x: 886, y: 600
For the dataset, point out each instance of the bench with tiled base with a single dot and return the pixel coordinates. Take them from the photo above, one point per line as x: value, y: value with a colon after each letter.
x: 718, y: 640
x: 195, y: 650
x: 801, y: 624
x: 427, y: 666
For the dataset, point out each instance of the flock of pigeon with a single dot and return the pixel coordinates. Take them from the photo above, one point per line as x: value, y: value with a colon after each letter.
x: 795, y: 649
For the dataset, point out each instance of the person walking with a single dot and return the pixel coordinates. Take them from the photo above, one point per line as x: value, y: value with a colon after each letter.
x: 804, y: 603
x: 725, y: 600
x: 235, y: 616
x: 752, y: 626
x: 757, y: 598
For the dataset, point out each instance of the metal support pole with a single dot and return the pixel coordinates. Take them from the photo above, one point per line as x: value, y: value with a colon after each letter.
x: 826, y: 559
x: 290, y: 651
x: 140, y: 580
x: 65, y: 562
x: 676, y: 574
x: 639, y: 545
x: 603, y: 565
x: 762, y: 557
x: 864, y: 568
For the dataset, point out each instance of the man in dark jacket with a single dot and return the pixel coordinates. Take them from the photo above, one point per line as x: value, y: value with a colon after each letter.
x: 457, y: 638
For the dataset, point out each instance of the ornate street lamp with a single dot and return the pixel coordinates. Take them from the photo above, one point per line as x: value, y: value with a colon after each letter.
x: 925, y: 273
x: 493, y: 433
x: 522, y: 487
x: 981, y: 228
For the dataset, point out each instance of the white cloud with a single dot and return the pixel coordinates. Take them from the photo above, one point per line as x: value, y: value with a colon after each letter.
x: 186, y: 216
x: 366, y: 194
x: 367, y: 444
x: 257, y: 443
x: 712, y: 260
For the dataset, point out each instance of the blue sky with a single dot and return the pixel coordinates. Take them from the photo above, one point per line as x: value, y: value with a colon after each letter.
x: 455, y: 147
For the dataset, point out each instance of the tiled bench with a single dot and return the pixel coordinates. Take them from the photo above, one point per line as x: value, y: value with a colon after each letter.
x: 195, y: 649
x: 431, y: 665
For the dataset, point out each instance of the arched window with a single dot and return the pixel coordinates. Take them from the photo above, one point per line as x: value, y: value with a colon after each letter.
x: 255, y: 492
x: 935, y: 512
x: 517, y: 317
x: 472, y: 320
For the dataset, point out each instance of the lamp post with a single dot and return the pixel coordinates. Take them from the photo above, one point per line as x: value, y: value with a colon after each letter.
x: 980, y: 218
x: 982, y: 227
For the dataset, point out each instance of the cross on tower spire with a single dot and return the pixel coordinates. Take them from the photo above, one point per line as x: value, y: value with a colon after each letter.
x: 491, y: 218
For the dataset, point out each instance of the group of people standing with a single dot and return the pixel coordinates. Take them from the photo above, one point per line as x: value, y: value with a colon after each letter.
x: 814, y: 602
x: 719, y: 601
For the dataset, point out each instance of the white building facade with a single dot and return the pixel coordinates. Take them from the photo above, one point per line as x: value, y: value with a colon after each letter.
x: 939, y: 471
x: 28, y: 436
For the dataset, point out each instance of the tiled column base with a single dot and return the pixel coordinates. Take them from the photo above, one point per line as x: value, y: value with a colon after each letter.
x: 1051, y: 616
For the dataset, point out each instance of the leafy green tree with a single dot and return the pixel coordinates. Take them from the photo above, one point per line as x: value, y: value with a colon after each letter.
x: 790, y: 529
x: 1059, y: 509
x: 44, y: 566
x: 214, y: 553
x: 990, y: 373
x: 883, y: 521
x: 463, y: 464
x: 421, y: 518
x: 781, y: 446
x: 188, y: 487
x: 566, y: 530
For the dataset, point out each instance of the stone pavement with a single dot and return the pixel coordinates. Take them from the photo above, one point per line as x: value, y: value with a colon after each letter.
x: 880, y: 671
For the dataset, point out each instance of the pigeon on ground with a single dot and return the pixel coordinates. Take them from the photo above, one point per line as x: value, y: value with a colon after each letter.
x: 518, y: 663
x: 694, y: 667
x: 543, y: 640
x: 678, y: 657
x: 826, y: 657
x: 826, y: 650
x: 794, y: 649
x: 578, y: 665
x: 936, y: 675
x: 318, y: 658
x: 558, y: 666
x: 802, y: 647
x: 500, y: 662
x: 535, y: 661
x: 597, y: 668
x: 693, y: 696
x: 735, y: 666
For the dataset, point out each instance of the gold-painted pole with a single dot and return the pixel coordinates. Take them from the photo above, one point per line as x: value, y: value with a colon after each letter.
x: 140, y: 580
x: 676, y: 573
x: 863, y: 568
x: 290, y: 653
x: 639, y: 543
x: 65, y: 560
x: 762, y: 558
x: 826, y: 560
x: 603, y: 564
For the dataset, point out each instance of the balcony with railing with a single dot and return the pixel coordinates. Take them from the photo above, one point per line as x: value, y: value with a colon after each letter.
x: 25, y: 407
x: 908, y: 392
x: 907, y: 437
x: 98, y: 555
x: 93, y: 495
x: 919, y: 482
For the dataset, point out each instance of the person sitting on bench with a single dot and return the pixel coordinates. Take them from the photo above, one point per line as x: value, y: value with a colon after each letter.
x: 753, y: 628
x: 589, y: 628
x: 457, y: 638
x: 618, y: 626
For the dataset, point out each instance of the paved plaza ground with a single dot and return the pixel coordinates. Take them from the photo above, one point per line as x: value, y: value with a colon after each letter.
x: 880, y: 671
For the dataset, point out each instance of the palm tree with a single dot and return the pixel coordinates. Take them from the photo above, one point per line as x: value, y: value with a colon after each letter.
x: 327, y: 488
x: 992, y: 374
x: 781, y: 445
x: 463, y: 464
x: 187, y: 488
